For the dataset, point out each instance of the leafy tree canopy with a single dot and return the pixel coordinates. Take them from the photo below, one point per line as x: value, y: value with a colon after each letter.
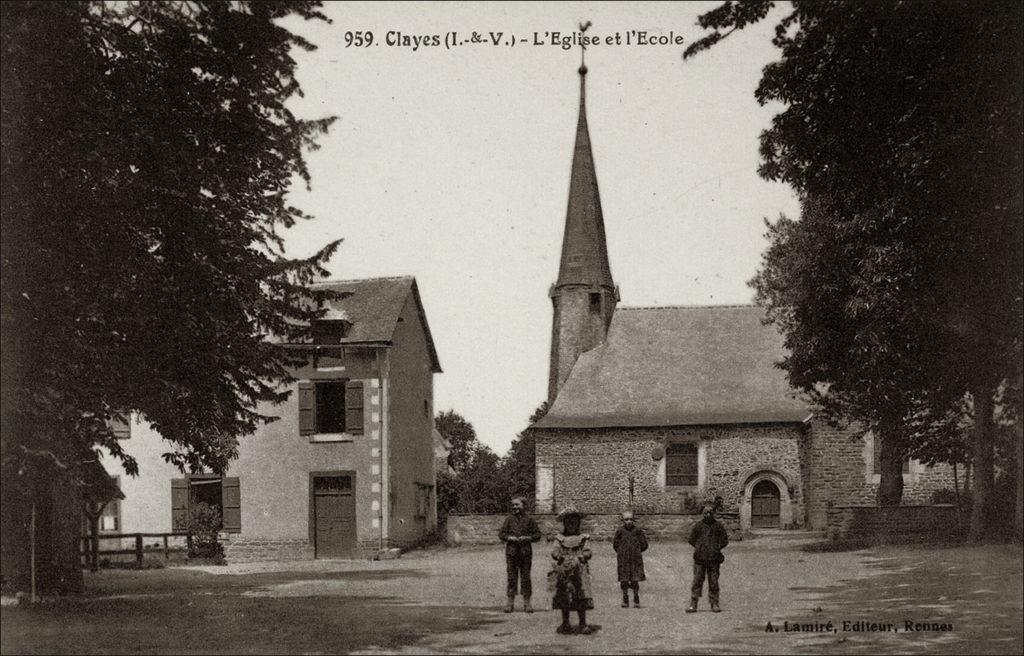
x: 899, y: 290
x: 520, y: 463
x: 462, y: 437
x: 903, y: 121
x: 147, y: 153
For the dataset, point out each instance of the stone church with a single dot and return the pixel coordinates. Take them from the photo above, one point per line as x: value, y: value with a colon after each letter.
x: 659, y: 408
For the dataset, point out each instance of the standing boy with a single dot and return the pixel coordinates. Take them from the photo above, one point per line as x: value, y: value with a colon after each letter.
x: 518, y: 531
x: 708, y: 537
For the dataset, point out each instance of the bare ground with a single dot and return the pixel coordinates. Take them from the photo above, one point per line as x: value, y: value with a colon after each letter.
x: 449, y: 600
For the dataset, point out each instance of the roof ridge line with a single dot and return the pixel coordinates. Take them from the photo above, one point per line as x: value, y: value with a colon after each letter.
x: 686, y: 307
x: 371, y: 279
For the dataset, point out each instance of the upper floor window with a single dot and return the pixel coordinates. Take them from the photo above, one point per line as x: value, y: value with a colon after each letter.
x: 330, y: 331
x: 121, y: 428
x: 331, y: 407
x: 681, y: 464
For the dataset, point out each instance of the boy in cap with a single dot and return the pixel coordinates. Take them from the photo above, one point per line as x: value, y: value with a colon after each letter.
x: 708, y: 537
x: 518, y: 532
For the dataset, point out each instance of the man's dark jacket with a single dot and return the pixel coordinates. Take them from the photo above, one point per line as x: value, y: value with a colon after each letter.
x: 708, y: 540
x: 517, y: 526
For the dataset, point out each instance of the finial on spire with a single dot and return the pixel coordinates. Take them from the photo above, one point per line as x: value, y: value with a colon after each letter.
x: 583, y: 48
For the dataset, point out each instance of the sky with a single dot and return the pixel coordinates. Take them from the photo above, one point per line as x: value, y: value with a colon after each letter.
x: 451, y: 164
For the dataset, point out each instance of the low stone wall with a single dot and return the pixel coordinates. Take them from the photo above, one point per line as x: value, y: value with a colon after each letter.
x: 893, y: 524
x: 245, y: 550
x: 483, y: 529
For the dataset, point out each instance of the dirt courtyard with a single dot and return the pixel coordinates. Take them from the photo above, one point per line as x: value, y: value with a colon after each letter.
x: 449, y: 600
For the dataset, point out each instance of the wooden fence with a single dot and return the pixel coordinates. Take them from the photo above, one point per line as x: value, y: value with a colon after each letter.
x: 90, y: 546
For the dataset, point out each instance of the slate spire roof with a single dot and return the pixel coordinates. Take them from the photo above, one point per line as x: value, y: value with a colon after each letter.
x: 584, y: 249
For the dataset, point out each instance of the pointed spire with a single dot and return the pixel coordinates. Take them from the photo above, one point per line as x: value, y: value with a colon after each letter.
x: 584, y: 249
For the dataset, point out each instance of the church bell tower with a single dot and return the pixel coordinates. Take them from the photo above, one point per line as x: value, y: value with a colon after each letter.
x: 584, y: 297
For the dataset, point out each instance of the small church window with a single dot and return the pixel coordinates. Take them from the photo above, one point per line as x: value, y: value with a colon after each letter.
x: 595, y: 302
x: 681, y: 464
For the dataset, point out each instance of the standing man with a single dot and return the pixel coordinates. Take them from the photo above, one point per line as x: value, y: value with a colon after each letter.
x: 708, y: 537
x: 518, y: 532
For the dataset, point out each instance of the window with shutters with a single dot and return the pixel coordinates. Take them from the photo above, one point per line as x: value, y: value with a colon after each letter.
x: 330, y: 408
x: 681, y: 464
x: 218, y: 492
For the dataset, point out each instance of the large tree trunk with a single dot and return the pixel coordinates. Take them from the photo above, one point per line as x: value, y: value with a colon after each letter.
x: 1018, y: 519
x: 984, y: 456
x: 58, y: 529
x: 890, y: 484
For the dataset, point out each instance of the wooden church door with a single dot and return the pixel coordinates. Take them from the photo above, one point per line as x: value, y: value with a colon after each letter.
x: 764, y: 505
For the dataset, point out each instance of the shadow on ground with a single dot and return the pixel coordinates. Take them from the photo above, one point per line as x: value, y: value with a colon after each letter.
x: 939, y: 599
x: 216, y: 614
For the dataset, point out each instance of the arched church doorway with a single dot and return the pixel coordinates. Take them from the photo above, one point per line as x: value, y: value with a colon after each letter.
x: 765, y: 505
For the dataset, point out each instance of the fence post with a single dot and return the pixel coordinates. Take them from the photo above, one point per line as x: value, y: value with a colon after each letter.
x: 138, y: 548
x: 188, y: 544
x: 94, y: 542
x: 167, y: 553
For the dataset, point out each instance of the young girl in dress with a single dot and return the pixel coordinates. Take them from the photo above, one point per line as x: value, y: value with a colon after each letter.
x: 570, y: 573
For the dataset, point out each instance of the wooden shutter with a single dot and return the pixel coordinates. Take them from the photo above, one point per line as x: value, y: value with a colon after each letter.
x: 354, y: 407
x: 231, y: 499
x: 179, y: 504
x: 307, y: 409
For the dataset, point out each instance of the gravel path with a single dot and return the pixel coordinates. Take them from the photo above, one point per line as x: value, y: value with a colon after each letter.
x: 449, y: 601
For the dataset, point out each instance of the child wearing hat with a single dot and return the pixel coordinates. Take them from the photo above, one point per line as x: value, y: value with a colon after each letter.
x: 708, y: 538
x: 570, y: 575
x: 629, y: 543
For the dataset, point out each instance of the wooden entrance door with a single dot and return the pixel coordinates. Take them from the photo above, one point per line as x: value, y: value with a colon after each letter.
x: 764, y: 505
x: 334, y: 516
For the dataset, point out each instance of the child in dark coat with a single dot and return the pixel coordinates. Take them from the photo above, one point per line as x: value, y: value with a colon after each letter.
x: 708, y: 538
x: 629, y: 544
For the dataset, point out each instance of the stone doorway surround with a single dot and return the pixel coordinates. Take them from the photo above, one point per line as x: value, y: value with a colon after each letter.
x: 785, y: 499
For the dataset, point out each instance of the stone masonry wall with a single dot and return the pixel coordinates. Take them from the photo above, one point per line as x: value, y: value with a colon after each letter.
x: 239, y: 549
x: 837, y: 472
x: 483, y: 529
x: 244, y: 550
x: 736, y: 454
x: 894, y: 524
x: 592, y: 467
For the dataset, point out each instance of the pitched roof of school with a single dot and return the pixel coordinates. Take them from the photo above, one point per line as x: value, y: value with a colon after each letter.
x: 373, y: 307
